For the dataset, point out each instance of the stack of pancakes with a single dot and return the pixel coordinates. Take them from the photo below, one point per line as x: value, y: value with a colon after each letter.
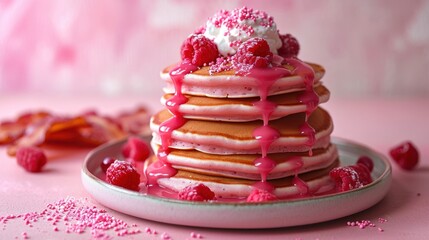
x: 216, y: 145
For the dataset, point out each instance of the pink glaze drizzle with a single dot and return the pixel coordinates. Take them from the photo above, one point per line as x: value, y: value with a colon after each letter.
x: 265, y: 134
x: 162, y: 168
x: 302, y: 186
x: 311, y: 100
x: 309, y: 97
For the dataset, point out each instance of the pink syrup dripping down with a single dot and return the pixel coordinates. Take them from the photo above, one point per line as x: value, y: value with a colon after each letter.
x: 162, y: 168
x: 309, y: 97
x: 301, y: 185
x: 311, y: 100
x: 265, y: 134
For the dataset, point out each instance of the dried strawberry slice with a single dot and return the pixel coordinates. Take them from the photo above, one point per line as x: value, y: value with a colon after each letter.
x: 102, y: 129
x: 34, y: 136
x: 89, y: 129
x: 10, y: 131
x: 135, y: 122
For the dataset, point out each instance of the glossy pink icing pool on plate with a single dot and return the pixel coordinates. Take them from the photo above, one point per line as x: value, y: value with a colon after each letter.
x: 282, y: 213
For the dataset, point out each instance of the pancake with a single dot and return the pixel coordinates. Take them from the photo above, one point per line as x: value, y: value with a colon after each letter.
x: 228, y: 85
x: 242, y: 165
x: 224, y: 187
x: 243, y: 109
x: 258, y: 125
x: 237, y: 137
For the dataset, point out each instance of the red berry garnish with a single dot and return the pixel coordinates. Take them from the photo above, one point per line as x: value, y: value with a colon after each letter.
x: 258, y: 195
x: 290, y: 47
x: 136, y: 149
x: 31, y: 159
x: 199, y: 50
x: 405, y: 155
x: 253, y: 53
x: 105, y: 164
x: 366, y: 161
x: 196, y: 192
x: 123, y: 174
x: 350, y: 177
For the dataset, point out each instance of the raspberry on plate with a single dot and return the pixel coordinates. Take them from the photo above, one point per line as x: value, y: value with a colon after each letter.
x: 366, y: 161
x: 31, y: 159
x: 136, y: 149
x: 197, y: 192
x: 258, y: 195
x: 405, y: 155
x: 290, y: 47
x: 350, y: 177
x: 123, y: 174
x: 199, y: 50
x: 253, y: 53
x: 105, y: 164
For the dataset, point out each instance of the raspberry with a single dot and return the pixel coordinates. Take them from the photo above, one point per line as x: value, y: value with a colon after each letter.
x: 136, y: 149
x: 105, y: 164
x: 123, y: 174
x: 366, y: 161
x: 253, y: 53
x: 258, y: 195
x: 199, y: 50
x: 350, y: 177
x: 196, y: 192
x: 290, y: 47
x: 31, y: 159
x: 405, y: 155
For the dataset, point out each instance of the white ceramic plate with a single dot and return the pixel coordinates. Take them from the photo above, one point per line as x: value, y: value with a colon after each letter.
x: 283, y: 213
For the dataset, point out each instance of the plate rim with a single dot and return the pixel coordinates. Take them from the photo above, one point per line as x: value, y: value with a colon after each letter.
x: 335, y: 140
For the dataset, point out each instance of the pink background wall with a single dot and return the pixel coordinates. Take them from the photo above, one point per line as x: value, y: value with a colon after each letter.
x: 369, y: 48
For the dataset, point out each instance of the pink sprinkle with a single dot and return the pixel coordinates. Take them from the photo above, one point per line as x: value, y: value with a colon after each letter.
x: 165, y: 236
x: 366, y: 223
x: 76, y: 217
x: 234, y: 20
x: 148, y: 230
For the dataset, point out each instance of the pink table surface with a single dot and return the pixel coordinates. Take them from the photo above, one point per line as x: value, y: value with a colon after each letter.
x: 378, y: 123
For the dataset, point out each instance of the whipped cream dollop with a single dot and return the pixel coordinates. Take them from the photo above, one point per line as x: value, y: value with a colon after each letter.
x: 228, y: 29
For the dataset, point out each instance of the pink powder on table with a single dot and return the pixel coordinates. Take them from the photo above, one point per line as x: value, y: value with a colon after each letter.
x: 165, y: 236
x: 367, y: 223
x: 196, y: 235
x: 76, y: 217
